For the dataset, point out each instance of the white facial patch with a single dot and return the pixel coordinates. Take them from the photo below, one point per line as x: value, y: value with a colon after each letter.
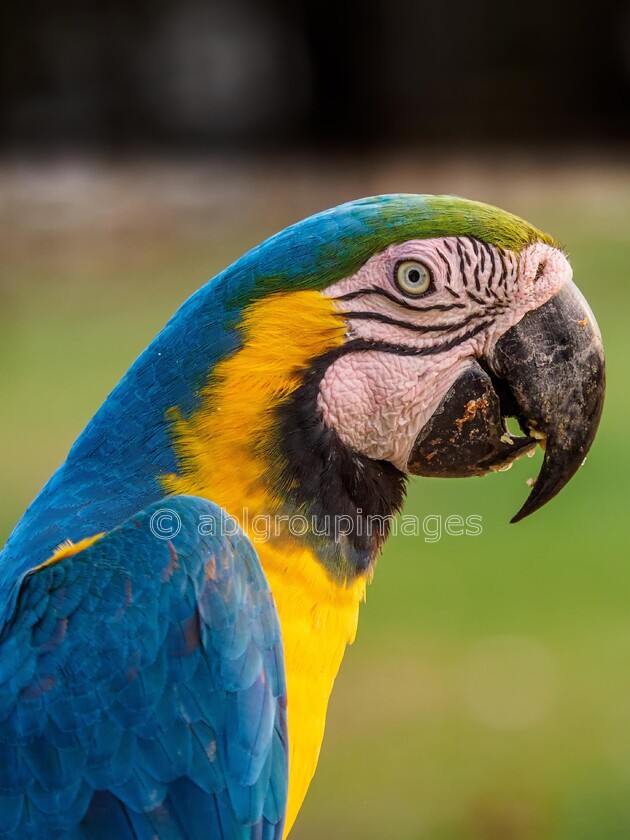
x: 379, y: 402
x: 406, y: 351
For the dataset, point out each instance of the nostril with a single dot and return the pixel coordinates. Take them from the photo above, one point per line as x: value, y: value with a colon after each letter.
x: 542, y: 265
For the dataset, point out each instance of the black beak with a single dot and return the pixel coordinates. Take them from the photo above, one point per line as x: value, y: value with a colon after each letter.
x: 553, y: 362
x: 548, y: 372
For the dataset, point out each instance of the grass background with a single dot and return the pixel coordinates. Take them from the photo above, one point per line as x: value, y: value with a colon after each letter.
x: 488, y: 694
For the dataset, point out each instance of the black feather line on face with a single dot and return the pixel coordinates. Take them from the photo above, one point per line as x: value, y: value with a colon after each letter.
x: 417, y: 328
x: 361, y: 345
x: 476, y: 276
x: 376, y: 290
x: 493, y: 265
x: 504, y: 269
x: 447, y: 263
x: 462, y: 266
x: 476, y: 298
x: 514, y: 267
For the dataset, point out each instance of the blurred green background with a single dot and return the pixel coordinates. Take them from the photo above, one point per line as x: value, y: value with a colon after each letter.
x: 488, y: 694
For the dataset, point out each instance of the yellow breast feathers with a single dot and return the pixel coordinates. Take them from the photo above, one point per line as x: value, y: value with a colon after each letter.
x: 225, y: 451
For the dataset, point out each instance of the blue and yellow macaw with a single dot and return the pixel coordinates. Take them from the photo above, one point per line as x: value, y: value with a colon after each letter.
x: 175, y: 604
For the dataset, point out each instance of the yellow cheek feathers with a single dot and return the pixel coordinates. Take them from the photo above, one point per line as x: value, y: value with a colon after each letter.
x: 224, y: 447
x: 225, y: 453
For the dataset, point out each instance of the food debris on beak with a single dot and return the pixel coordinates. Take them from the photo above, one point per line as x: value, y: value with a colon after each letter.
x: 548, y: 372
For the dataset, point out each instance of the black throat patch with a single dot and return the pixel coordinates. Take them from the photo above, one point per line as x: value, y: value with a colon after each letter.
x: 348, y: 499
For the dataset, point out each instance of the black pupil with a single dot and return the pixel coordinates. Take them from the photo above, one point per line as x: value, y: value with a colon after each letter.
x: 414, y: 276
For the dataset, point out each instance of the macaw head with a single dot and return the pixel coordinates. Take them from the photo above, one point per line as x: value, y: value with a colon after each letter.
x: 394, y: 336
x: 449, y: 335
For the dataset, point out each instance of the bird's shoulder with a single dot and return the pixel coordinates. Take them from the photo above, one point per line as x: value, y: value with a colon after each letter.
x: 124, y: 664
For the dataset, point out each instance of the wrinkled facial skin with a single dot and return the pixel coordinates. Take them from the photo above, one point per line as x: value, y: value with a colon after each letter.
x: 379, y: 401
x: 430, y: 363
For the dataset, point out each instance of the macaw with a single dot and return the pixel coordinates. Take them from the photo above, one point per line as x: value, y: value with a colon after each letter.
x: 175, y: 603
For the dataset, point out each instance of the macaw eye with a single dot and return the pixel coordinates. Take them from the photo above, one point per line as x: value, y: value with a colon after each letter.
x: 412, y: 277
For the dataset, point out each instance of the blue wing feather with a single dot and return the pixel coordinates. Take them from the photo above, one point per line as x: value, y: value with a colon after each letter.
x: 142, y: 689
